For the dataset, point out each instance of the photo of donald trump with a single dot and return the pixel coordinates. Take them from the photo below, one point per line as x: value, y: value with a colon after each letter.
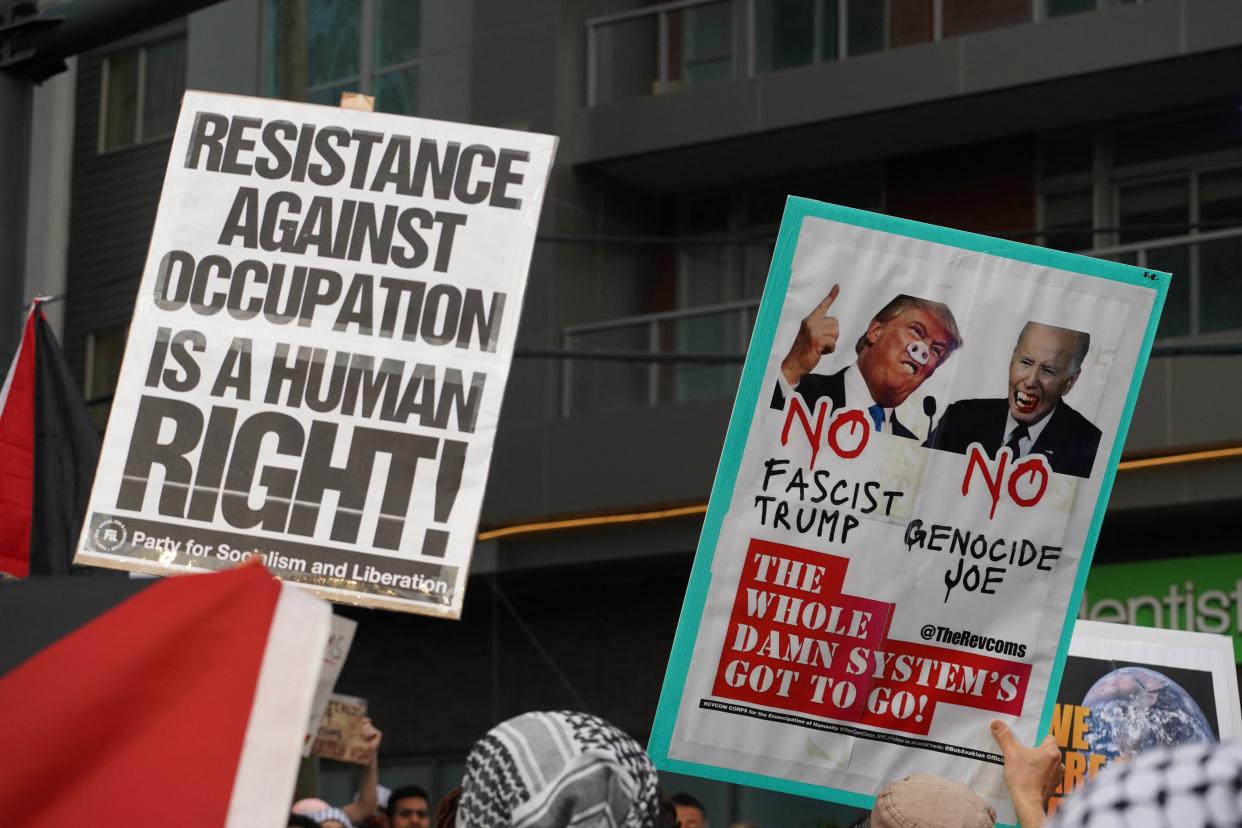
x: 1034, y: 418
x: 903, y: 345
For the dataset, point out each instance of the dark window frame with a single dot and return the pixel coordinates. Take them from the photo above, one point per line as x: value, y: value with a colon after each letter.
x: 141, y: 48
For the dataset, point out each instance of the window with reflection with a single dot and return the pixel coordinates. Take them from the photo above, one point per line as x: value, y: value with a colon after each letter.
x: 141, y: 93
x: 317, y: 49
x: 1164, y: 193
x: 104, y: 350
x: 1060, y: 8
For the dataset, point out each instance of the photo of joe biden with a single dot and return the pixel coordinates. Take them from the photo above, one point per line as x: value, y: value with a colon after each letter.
x: 1034, y: 418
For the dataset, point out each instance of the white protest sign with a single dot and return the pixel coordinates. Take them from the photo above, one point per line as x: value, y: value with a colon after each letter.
x: 334, y: 655
x: 319, y: 350
x: 915, y: 472
x: 1127, y: 689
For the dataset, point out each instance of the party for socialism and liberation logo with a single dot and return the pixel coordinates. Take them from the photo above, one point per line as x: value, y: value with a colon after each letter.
x: 110, y: 535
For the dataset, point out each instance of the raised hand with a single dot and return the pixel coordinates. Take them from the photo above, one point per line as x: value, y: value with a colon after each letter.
x: 365, y: 804
x: 1031, y: 774
x: 372, y: 736
x: 817, y: 336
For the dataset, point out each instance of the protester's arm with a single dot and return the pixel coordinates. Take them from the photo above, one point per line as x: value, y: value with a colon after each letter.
x: 368, y: 789
x: 817, y: 336
x: 1031, y: 774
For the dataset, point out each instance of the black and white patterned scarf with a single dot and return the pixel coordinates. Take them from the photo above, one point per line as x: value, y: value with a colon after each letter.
x: 335, y: 814
x: 1189, y: 786
x: 548, y: 770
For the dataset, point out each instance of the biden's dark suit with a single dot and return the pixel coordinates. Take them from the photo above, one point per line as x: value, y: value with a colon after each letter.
x: 1069, y: 440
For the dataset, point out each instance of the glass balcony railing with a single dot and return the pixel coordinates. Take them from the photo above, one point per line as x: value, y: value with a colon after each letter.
x: 1205, y: 296
x: 669, y: 46
x: 720, y: 332
x: 643, y: 358
x: 662, y: 48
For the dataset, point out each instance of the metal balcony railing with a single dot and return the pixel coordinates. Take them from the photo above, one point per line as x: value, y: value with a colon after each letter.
x: 668, y: 46
x: 661, y: 48
x: 712, y: 329
x: 1205, y: 297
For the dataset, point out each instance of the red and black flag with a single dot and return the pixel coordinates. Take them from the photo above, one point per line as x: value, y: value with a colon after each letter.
x: 48, y: 450
x: 181, y: 701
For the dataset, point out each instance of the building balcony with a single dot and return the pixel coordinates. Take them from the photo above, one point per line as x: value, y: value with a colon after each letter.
x: 696, y: 353
x: 648, y: 432
x: 692, y: 94
x: 685, y: 44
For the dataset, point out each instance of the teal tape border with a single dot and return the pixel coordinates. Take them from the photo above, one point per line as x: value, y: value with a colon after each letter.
x: 722, y: 488
x: 744, y: 406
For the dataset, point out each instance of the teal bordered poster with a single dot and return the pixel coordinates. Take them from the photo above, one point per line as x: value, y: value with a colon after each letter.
x: 920, y: 454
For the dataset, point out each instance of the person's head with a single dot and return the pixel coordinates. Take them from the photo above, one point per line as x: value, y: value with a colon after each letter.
x: 666, y: 817
x: 926, y: 801
x: 903, y: 345
x: 331, y: 818
x: 690, y: 812
x: 409, y: 807
x: 575, y: 766
x: 309, y: 806
x: 1192, y: 784
x: 1045, y: 365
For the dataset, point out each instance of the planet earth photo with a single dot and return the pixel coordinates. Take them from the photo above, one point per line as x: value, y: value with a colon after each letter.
x: 1134, y: 709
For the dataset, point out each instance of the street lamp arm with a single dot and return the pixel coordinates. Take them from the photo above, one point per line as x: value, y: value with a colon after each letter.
x: 34, y: 43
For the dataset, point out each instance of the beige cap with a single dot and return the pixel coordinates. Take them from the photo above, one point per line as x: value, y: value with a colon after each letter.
x: 926, y: 801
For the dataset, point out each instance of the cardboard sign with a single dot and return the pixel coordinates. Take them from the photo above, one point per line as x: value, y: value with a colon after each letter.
x: 1130, y: 689
x: 319, y: 350
x: 340, y: 731
x: 919, y: 457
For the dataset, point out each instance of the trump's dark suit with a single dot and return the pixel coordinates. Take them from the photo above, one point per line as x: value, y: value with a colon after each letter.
x: 813, y: 387
x: 1069, y: 440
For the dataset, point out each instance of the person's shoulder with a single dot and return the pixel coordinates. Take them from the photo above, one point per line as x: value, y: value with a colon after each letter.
x: 964, y: 421
x: 836, y: 376
x: 1075, y: 421
x: 823, y: 381
x: 980, y: 407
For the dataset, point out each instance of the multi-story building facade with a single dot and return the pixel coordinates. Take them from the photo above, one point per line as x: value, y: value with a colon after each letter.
x: 1090, y: 125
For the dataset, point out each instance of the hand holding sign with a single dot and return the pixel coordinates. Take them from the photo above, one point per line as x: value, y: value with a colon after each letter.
x: 817, y: 336
x: 1031, y: 774
x: 370, y: 736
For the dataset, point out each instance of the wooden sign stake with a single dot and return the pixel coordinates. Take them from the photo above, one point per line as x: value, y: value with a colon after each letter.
x: 357, y: 101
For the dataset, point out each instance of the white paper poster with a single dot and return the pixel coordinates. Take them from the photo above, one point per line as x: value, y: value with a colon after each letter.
x: 1130, y: 689
x: 919, y: 456
x: 319, y: 350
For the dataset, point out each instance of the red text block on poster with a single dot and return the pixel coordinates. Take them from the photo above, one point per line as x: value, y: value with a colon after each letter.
x: 797, y: 642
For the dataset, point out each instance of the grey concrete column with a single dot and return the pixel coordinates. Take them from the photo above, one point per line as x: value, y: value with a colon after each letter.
x: 15, y: 98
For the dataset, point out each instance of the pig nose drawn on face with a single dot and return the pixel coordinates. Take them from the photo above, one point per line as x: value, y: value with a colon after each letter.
x: 918, y: 352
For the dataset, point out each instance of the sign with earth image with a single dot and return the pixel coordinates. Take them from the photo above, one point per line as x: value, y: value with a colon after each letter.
x: 1126, y: 690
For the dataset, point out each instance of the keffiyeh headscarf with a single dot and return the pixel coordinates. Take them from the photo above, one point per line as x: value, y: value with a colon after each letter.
x: 325, y: 814
x: 1190, y: 786
x: 541, y: 770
